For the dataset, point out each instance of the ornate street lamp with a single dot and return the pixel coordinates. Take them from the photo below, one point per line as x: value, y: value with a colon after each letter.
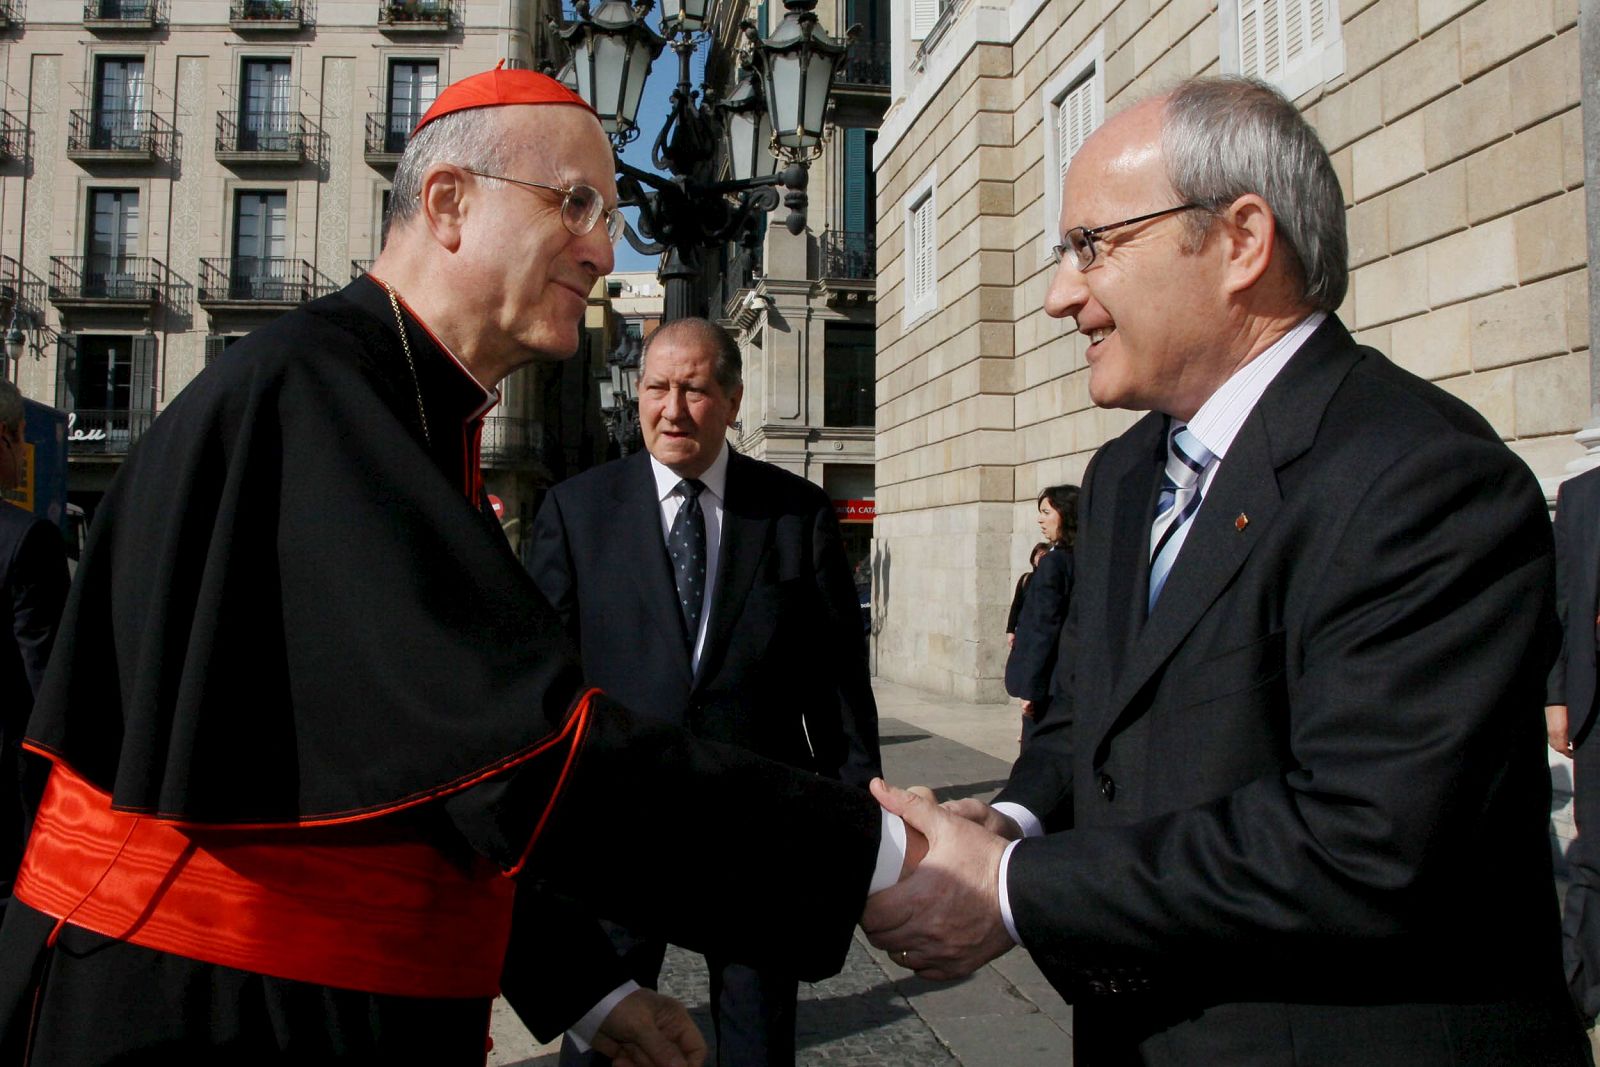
x: 749, y: 127
x: 619, y: 393
x: 692, y: 210
x: 611, y: 55
x: 799, y: 61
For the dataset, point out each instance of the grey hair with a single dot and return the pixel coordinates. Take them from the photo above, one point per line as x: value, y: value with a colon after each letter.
x: 11, y: 412
x: 474, y: 138
x: 728, y: 368
x: 1224, y: 137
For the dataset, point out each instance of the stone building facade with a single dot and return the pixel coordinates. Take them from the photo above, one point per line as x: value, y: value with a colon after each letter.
x: 803, y: 306
x: 1457, y: 131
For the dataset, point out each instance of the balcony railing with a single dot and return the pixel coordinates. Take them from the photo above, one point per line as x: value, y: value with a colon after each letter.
x: 248, y: 281
x: 941, y: 26
x: 850, y: 254
x: 358, y: 267
x: 418, y: 16
x: 127, y: 281
x: 123, y: 14
x: 262, y: 137
x: 10, y: 13
x: 865, y: 63
x: 387, y: 134
x: 267, y: 14
x: 13, y: 137
x: 105, y: 432
x: 509, y: 441
x: 118, y: 133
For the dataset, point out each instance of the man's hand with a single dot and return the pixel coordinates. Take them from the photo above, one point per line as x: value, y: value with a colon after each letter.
x: 1555, y: 729
x: 943, y: 921
x: 1027, y: 708
x: 976, y: 811
x: 650, y: 1030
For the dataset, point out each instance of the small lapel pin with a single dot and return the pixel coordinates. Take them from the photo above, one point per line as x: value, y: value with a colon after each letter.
x: 1241, y: 522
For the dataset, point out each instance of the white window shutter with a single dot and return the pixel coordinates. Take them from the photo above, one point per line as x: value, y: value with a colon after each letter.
x: 1317, y: 18
x: 1250, y: 38
x: 924, y: 13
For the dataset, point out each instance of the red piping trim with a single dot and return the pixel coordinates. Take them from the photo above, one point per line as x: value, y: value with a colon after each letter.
x: 582, y: 716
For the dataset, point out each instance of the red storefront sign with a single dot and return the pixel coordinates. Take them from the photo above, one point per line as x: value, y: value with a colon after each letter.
x: 855, y: 510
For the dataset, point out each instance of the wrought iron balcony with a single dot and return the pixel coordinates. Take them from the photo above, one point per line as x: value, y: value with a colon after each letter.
x: 13, y: 137
x: 418, y: 16
x: 851, y: 255
x: 252, y: 15
x: 262, y: 138
x: 123, y: 14
x: 250, y: 282
x: 510, y: 442
x: 387, y: 134
x: 105, y: 432
x: 126, y: 134
x: 358, y: 267
x: 106, y: 281
x: 10, y: 13
x: 865, y: 64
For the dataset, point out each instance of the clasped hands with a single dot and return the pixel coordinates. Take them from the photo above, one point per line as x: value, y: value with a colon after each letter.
x: 942, y: 919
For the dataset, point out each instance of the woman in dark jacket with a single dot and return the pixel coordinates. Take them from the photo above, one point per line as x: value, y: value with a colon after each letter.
x: 1031, y: 667
x: 1022, y: 587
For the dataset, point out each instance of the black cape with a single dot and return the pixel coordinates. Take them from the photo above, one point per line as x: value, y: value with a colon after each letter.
x: 291, y: 612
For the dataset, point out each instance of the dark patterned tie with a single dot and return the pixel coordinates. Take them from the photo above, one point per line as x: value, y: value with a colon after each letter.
x: 686, y: 544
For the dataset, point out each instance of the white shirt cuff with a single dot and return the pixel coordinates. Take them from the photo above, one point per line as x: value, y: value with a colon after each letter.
x: 1005, y: 892
x: 1026, y: 820
x: 891, y: 853
x: 582, y: 1032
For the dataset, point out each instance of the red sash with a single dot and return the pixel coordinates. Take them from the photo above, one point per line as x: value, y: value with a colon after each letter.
x: 396, y: 919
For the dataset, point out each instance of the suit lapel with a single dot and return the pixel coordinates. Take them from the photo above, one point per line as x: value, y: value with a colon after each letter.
x: 1279, y: 430
x: 746, y: 523
x: 640, y: 509
x: 1128, y: 572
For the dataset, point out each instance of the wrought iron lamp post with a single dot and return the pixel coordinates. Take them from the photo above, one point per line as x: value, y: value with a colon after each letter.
x: 777, y: 112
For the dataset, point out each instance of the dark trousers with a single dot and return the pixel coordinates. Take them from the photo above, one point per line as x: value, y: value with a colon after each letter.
x: 752, y: 1011
x: 1580, y: 921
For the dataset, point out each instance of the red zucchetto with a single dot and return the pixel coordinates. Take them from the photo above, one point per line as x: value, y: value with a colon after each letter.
x: 498, y: 87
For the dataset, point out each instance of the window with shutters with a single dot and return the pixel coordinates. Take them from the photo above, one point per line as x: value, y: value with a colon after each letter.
x: 1295, y: 45
x: 924, y: 13
x: 1074, y: 105
x: 921, y: 258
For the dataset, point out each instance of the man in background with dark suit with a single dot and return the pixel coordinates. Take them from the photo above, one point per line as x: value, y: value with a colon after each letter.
x: 711, y: 591
x: 33, y: 580
x: 1294, y: 807
x: 1569, y: 721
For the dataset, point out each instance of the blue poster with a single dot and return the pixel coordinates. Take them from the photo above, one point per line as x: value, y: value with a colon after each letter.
x: 43, y: 486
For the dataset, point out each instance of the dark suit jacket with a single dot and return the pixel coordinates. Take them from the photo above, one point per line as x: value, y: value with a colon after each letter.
x: 784, y: 669
x: 1303, y: 805
x: 1572, y: 679
x: 1031, y: 666
x: 33, y: 588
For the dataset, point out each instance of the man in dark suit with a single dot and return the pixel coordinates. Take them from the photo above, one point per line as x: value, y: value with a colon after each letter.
x: 1294, y: 807
x: 1569, y: 721
x: 33, y: 580
x: 711, y: 591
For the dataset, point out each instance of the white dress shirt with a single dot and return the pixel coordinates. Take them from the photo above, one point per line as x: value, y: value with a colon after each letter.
x: 1215, y: 425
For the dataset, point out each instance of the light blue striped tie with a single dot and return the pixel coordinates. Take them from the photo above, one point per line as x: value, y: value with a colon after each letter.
x: 1187, y: 460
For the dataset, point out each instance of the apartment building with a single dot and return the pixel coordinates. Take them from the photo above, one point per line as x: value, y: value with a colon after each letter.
x: 177, y: 172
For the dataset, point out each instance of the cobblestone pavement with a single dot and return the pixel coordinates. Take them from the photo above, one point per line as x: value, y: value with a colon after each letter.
x: 873, y: 1014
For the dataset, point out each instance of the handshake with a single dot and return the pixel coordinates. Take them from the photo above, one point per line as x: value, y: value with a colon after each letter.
x: 942, y: 919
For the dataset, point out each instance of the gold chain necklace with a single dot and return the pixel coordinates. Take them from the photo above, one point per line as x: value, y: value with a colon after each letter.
x: 405, y: 342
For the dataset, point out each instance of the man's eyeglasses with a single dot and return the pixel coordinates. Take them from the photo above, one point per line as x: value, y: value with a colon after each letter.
x: 581, y: 205
x: 1079, y: 242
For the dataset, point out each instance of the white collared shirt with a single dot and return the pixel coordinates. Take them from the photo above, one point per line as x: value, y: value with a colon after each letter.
x: 712, y: 496
x: 1216, y: 424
